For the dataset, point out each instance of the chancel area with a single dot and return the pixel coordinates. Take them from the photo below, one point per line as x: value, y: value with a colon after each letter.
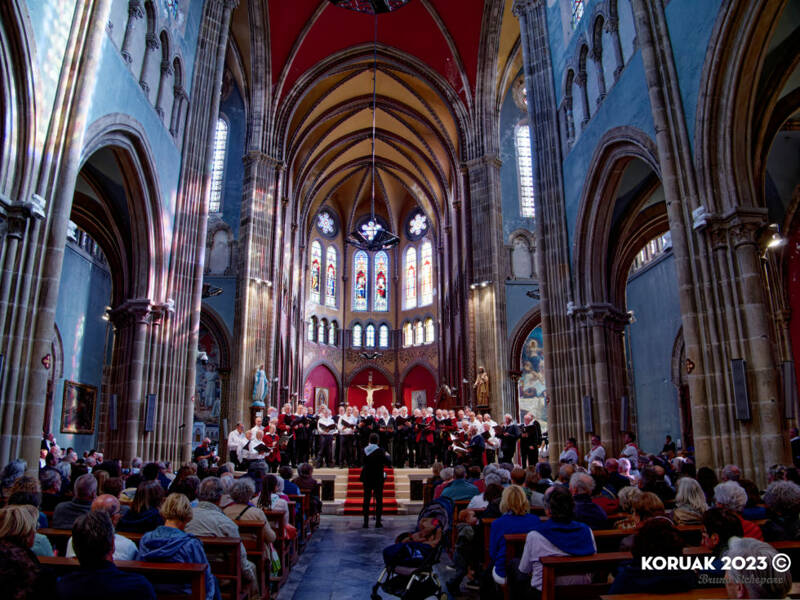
x: 399, y: 298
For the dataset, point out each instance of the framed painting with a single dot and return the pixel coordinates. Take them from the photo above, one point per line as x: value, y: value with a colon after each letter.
x: 78, y: 408
x: 321, y: 396
x: 419, y: 399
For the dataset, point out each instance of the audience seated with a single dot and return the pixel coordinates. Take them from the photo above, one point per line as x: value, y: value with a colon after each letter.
x: 545, y: 472
x: 565, y: 472
x: 85, y: 492
x: 581, y: 486
x: 124, y: 549
x: 467, y: 553
x: 189, y: 486
x: 730, y: 473
x: 460, y: 488
x: 753, y: 510
x: 763, y: 581
x: 652, y: 480
x: 516, y: 518
x: 21, y: 576
x: 708, y: 481
x: 690, y: 503
x: 560, y: 535
x: 447, y: 479
x: 475, y: 478
x: 436, y: 478
x: 616, y: 480
x: 168, y: 543
x: 479, y: 501
x: 150, y: 472
x: 628, y: 497
x: 208, y: 520
x: 10, y: 473
x: 242, y: 509
x: 98, y: 578
x: 494, y: 497
x: 719, y: 526
x: 144, y: 514
x: 50, y: 482
x: 604, y: 494
x: 27, y: 491
x: 309, y: 485
x: 783, y: 505
x: 729, y: 494
x: 289, y: 487
x: 656, y: 537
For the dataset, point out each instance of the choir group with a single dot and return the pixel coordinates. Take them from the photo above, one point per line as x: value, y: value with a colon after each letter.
x: 414, y: 439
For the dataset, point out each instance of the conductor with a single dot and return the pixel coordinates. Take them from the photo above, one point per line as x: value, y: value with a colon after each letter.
x: 372, y: 476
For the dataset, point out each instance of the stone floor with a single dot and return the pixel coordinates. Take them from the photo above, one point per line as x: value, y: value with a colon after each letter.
x: 343, y: 561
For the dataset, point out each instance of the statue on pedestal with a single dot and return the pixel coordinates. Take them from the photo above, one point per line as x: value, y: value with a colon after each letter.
x: 259, y: 387
x: 482, y: 388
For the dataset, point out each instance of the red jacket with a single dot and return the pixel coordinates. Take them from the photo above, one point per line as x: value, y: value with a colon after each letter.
x: 750, y: 529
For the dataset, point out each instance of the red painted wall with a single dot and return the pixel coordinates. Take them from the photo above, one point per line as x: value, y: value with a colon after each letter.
x: 321, y: 377
x: 793, y: 273
x: 358, y: 397
x: 419, y: 378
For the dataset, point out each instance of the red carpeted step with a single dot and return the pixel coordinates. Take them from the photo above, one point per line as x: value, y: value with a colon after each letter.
x: 353, y: 504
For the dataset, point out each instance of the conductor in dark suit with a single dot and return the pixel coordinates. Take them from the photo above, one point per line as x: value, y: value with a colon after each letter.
x: 372, y: 476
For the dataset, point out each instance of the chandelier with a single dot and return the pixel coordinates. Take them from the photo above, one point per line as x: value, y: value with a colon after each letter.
x: 372, y: 235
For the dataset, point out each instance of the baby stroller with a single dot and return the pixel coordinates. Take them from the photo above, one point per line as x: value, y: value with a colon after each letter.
x: 418, y: 581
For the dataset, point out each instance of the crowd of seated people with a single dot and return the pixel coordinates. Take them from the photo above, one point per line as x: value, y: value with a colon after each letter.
x: 657, y: 503
x: 100, y: 515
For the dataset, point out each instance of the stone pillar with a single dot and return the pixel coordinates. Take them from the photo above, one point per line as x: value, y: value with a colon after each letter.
x: 597, y: 58
x: 179, y: 101
x: 166, y: 73
x: 151, y: 48
x: 487, y: 287
x: 79, y: 77
x: 135, y: 16
x: 612, y: 27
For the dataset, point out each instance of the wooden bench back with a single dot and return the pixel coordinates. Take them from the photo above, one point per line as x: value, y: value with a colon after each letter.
x: 157, y: 573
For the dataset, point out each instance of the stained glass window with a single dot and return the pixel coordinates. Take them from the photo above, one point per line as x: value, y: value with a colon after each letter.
x: 381, y: 301
x: 360, y: 273
x: 408, y: 335
x: 323, y: 331
x: 316, y: 270
x: 218, y: 165
x: 369, y: 337
x: 419, y: 334
x: 326, y: 224
x: 332, y: 333
x: 577, y: 12
x: 312, y: 329
x: 357, y: 335
x: 330, y: 277
x: 383, y: 336
x: 522, y: 138
x: 429, y: 332
x: 411, y: 277
x: 418, y: 225
x: 426, y: 275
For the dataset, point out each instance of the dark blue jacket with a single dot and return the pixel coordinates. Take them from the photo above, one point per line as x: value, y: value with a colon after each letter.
x: 588, y: 512
x: 107, y: 581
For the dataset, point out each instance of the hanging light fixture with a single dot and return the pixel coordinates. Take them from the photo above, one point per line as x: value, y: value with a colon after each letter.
x: 371, y: 235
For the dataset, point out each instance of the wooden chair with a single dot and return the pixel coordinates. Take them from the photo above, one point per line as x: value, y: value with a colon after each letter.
x: 458, y: 506
x: 275, y: 520
x: 252, y: 534
x: 304, y: 525
x: 190, y: 574
x: 225, y: 559
x: 58, y: 538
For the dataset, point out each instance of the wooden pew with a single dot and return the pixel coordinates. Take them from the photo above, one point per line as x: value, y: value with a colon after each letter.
x: 304, y: 525
x: 698, y: 594
x: 173, y: 573
x: 275, y: 520
x: 458, y: 506
x: 252, y: 534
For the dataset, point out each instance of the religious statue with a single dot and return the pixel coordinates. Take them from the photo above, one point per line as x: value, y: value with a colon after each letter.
x: 371, y: 389
x: 259, y: 387
x: 482, y: 387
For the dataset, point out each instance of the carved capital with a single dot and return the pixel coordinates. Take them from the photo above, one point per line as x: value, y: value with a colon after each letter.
x: 166, y: 68
x: 580, y: 78
x: 145, y: 87
x: 126, y: 56
x: 138, y: 311
x: 718, y: 236
x: 151, y: 41
x: 135, y: 9
x: 523, y: 7
x: 611, y: 25
x: 744, y: 233
x: 160, y: 112
x: 180, y: 92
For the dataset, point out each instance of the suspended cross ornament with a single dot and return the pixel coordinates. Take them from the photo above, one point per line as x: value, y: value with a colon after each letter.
x: 372, y: 235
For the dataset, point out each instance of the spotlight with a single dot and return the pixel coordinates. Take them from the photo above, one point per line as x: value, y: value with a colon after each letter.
x: 776, y: 241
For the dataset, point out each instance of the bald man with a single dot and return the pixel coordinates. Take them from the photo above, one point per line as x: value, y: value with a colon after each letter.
x: 124, y: 549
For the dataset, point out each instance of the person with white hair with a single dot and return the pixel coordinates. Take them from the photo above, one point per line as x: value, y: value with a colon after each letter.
x: 731, y: 473
x: 783, y: 501
x: 732, y: 496
x: 746, y: 582
x: 690, y: 503
x: 581, y: 486
x: 478, y: 502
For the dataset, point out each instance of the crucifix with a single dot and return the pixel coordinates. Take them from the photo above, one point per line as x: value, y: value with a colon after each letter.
x: 371, y: 389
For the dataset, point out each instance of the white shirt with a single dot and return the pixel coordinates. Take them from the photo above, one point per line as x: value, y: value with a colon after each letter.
x: 536, y: 546
x: 477, y: 503
x: 598, y: 453
x: 236, y: 440
x: 124, y: 549
x: 631, y: 452
x: 348, y: 423
x: 569, y: 456
x: 328, y: 422
x: 256, y: 429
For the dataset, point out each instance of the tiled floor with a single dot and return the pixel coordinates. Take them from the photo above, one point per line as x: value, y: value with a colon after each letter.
x: 342, y: 560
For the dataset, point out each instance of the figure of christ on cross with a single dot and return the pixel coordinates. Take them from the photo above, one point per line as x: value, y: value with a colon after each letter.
x: 371, y: 389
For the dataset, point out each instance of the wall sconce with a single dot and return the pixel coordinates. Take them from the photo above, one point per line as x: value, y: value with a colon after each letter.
x: 479, y: 285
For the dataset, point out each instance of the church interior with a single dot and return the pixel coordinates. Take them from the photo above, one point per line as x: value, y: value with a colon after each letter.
x: 583, y: 213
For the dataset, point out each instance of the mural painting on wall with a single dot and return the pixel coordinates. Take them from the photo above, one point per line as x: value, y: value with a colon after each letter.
x: 77, y: 410
x: 321, y: 396
x: 532, y: 389
x: 208, y: 388
x: 419, y: 399
x: 174, y: 13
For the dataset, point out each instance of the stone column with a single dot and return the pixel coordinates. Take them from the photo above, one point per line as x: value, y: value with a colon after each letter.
x: 79, y: 77
x: 151, y: 48
x: 166, y: 73
x: 612, y: 27
x: 489, y: 319
x: 597, y: 58
x: 135, y: 16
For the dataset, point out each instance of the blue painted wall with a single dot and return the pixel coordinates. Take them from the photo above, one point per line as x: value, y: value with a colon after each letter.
x: 652, y: 295
x: 84, y: 293
x: 232, y: 109
x: 224, y: 303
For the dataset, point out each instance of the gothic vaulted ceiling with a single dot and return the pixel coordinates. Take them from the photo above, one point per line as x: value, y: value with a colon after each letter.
x: 316, y: 62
